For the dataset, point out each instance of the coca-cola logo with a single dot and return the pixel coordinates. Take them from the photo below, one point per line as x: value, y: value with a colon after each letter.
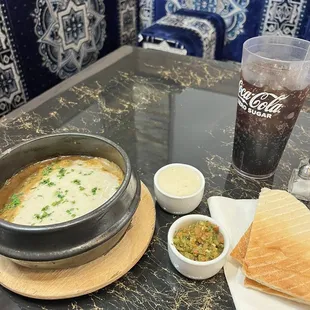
x: 262, y: 104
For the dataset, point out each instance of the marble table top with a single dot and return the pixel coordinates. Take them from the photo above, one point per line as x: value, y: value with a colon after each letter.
x: 160, y: 108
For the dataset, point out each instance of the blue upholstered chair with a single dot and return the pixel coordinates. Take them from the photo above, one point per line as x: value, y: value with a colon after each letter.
x: 43, y: 42
x: 243, y: 19
x: 187, y: 32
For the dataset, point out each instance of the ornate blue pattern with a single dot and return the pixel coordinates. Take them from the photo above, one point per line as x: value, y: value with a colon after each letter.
x: 73, y: 28
x: 127, y: 15
x: 146, y: 13
x: 174, y: 5
x: 202, y: 27
x: 283, y: 17
x: 12, y: 88
x: 70, y: 33
x: 232, y: 11
x: 234, y: 15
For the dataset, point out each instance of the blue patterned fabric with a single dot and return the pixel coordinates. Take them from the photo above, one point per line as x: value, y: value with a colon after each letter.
x: 172, y: 39
x: 151, y: 11
x: 194, y: 33
x: 243, y: 18
x: 46, y: 41
x: 285, y: 17
x: 217, y: 22
x: 13, y: 91
x: 234, y: 12
x: 265, y: 17
x: 306, y: 32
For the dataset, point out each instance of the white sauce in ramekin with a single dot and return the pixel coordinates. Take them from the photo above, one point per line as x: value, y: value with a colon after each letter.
x: 179, y: 180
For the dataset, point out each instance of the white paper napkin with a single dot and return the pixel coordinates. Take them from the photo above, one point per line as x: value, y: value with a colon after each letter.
x: 236, y: 216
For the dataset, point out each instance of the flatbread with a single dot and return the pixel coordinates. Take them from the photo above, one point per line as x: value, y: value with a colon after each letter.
x: 238, y: 253
x: 262, y: 288
x: 278, y: 253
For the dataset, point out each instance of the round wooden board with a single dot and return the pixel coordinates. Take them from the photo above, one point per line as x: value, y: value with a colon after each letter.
x: 73, y: 282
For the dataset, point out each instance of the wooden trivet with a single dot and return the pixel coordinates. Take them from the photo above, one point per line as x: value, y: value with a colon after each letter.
x: 73, y: 282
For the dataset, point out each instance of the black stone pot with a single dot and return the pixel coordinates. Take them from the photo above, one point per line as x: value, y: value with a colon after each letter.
x: 85, y: 238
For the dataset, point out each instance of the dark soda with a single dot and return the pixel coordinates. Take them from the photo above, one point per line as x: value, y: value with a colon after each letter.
x: 265, y: 119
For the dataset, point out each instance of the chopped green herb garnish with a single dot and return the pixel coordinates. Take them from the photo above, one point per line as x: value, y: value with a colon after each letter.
x: 72, y: 170
x: 13, y: 203
x: 81, y: 188
x: 73, y: 202
x: 43, y: 214
x: 61, y: 173
x: 47, y: 170
x: 56, y: 203
x: 47, y: 182
x: 45, y: 208
x: 60, y: 194
x: 88, y: 173
x: 69, y: 210
x: 76, y: 181
x: 40, y: 196
x: 94, y: 190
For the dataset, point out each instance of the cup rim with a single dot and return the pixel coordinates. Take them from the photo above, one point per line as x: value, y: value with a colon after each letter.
x: 197, y: 217
x: 284, y: 38
x: 175, y: 196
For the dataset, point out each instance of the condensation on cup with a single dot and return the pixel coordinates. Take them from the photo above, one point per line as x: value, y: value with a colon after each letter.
x: 273, y: 86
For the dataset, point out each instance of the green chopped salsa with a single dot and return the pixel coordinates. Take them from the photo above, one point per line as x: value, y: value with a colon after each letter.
x: 200, y: 241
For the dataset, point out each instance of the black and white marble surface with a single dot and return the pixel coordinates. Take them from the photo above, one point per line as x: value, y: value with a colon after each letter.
x: 160, y: 108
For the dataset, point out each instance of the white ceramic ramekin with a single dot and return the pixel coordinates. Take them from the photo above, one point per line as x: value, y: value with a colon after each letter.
x: 190, y: 268
x: 178, y: 204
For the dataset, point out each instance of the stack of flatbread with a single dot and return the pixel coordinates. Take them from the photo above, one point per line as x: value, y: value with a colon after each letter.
x: 275, y: 250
